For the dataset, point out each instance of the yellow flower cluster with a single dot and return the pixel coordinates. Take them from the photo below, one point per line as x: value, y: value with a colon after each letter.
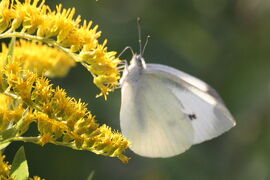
x: 40, y: 58
x: 27, y: 97
x: 61, y: 120
x: 36, y: 21
x: 4, y: 168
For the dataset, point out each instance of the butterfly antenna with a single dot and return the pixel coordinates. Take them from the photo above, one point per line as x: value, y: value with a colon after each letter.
x: 124, y: 50
x: 139, y: 33
x: 146, y: 42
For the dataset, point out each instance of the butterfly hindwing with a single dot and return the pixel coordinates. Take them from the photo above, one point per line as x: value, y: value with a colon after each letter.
x: 205, y: 108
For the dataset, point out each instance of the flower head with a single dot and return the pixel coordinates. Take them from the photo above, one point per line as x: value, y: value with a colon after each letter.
x: 60, y: 119
x: 59, y: 28
x: 39, y: 58
x: 28, y: 96
x: 4, y: 167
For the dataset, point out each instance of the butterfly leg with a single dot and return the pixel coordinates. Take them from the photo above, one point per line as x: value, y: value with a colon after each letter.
x: 123, y: 65
x: 124, y: 69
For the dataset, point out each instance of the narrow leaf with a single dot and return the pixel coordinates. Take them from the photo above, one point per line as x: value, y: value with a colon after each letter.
x: 19, y: 168
x: 8, y: 133
x: 11, y: 48
x: 4, y: 145
x: 91, y: 175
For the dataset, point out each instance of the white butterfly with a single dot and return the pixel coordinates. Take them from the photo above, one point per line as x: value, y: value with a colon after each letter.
x: 164, y: 111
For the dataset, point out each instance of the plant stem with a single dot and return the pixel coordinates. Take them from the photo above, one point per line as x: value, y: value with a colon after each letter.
x: 24, y: 139
x: 50, y: 42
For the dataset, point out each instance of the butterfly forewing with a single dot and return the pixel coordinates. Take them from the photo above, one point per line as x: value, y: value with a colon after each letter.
x: 151, y: 117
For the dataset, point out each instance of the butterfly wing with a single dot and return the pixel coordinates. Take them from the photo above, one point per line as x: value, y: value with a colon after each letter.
x: 209, y: 116
x: 151, y: 118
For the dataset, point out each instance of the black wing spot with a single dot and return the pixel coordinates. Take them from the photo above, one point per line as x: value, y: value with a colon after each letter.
x: 192, y: 116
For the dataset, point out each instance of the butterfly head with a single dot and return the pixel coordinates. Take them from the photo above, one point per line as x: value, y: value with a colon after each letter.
x: 137, y: 64
x: 138, y: 61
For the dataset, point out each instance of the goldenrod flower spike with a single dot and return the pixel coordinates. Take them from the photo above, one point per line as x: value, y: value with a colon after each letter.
x: 40, y: 58
x: 61, y: 120
x: 59, y: 28
x: 28, y: 97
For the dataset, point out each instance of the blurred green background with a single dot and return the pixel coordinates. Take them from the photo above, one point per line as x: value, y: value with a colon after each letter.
x: 226, y: 43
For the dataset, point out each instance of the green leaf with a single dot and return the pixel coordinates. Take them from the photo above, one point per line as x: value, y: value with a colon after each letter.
x: 19, y: 168
x: 4, y: 145
x: 9, y: 133
x: 91, y: 175
x: 11, y: 46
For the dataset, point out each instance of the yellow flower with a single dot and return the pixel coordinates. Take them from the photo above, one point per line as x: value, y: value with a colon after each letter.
x: 5, y: 102
x: 88, y: 37
x: 28, y: 15
x: 61, y: 120
x: 6, y: 14
x: 39, y: 58
x: 4, y: 167
x: 35, y: 21
x: 36, y: 178
x: 28, y: 97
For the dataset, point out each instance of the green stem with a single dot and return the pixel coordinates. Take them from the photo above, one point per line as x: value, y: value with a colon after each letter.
x: 12, y: 95
x: 36, y: 140
x: 33, y: 140
x: 24, y: 139
x: 50, y: 42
